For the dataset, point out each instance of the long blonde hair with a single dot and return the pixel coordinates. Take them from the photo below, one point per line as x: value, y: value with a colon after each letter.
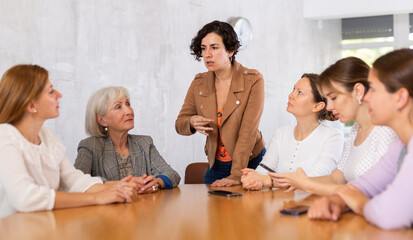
x: 19, y: 86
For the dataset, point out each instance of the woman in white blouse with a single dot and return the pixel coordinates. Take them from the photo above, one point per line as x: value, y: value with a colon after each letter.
x: 344, y: 84
x: 35, y: 174
x: 309, y: 145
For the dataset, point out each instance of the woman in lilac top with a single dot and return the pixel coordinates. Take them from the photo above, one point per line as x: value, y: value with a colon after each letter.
x: 383, y: 195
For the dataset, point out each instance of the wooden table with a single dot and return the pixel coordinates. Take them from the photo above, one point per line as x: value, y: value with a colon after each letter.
x: 189, y: 212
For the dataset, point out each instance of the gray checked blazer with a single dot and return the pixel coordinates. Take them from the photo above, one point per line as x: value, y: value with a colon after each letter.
x: 96, y: 156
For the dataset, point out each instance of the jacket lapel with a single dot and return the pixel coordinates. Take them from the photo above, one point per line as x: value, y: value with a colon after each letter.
x: 237, y: 86
x: 109, y: 160
x: 208, y: 96
x: 138, y: 163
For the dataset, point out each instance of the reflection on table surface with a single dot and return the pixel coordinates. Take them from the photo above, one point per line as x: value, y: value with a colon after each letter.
x: 189, y: 212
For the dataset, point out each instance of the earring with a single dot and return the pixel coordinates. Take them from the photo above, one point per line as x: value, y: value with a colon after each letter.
x: 106, y: 129
x: 359, y: 101
x: 35, y: 111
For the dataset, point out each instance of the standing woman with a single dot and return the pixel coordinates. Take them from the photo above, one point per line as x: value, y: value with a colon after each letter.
x: 344, y: 84
x: 225, y: 104
x: 383, y: 195
x: 35, y: 174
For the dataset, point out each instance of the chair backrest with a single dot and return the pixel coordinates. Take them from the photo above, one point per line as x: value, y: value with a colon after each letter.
x: 195, y: 172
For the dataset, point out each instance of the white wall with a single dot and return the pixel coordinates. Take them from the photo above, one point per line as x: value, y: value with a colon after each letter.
x: 144, y: 46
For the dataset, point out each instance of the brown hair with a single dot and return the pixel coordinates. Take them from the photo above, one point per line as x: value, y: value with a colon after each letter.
x: 395, y: 70
x: 318, y: 97
x: 19, y: 86
x: 347, y: 72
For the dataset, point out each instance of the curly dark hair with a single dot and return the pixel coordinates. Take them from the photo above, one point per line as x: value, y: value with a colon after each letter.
x: 224, y: 30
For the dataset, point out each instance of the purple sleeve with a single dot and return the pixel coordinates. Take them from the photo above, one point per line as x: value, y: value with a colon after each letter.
x: 380, y: 175
x: 390, y: 207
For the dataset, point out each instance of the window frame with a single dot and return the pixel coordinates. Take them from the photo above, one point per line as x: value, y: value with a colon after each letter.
x: 401, y: 30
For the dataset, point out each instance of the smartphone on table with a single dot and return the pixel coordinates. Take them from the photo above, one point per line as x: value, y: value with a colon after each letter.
x: 266, y: 167
x: 296, y: 210
x: 224, y: 193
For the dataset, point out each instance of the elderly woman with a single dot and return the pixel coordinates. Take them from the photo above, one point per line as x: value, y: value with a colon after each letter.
x: 112, y: 153
x: 35, y: 174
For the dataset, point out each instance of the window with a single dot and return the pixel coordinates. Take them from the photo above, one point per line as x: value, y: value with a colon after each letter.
x: 371, y: 37
x: 411, y: 29
x: 369, y: 55
x: 368, y: 37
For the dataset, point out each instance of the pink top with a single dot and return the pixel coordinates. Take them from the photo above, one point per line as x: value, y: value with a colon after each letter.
x: 390, y: 189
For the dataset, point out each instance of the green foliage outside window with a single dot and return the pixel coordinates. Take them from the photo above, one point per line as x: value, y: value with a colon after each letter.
x: 369, y: 55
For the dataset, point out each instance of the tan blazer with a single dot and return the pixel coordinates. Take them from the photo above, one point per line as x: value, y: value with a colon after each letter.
x: 241, y: 118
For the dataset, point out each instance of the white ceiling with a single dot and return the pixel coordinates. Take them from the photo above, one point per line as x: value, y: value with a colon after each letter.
x: 334, y: 9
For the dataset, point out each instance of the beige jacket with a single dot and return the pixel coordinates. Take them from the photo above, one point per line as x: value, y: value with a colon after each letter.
x: 241, y: 118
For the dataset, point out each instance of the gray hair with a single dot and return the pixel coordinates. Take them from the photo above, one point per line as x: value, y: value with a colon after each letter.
x: 98, y: 106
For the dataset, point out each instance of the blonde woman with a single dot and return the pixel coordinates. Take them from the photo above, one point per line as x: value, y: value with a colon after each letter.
x: 35, y: 174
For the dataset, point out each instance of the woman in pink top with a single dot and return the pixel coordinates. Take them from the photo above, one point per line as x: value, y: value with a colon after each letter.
x: 383, y: 195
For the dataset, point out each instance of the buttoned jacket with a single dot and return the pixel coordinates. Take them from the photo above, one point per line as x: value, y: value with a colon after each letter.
x: 97, y: 156
x: 240, y: 120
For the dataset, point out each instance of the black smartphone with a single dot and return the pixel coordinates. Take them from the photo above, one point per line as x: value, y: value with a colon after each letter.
x: 224, y: 193
x: 266, y: 167
x: 297, y: 210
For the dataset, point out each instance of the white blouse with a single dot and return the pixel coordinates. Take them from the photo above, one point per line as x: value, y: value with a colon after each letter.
x: 30, y: 174
x: 357, y: 160
x: 318, y: 154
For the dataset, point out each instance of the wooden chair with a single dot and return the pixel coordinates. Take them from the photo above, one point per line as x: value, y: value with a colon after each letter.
x: 195, y: 172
